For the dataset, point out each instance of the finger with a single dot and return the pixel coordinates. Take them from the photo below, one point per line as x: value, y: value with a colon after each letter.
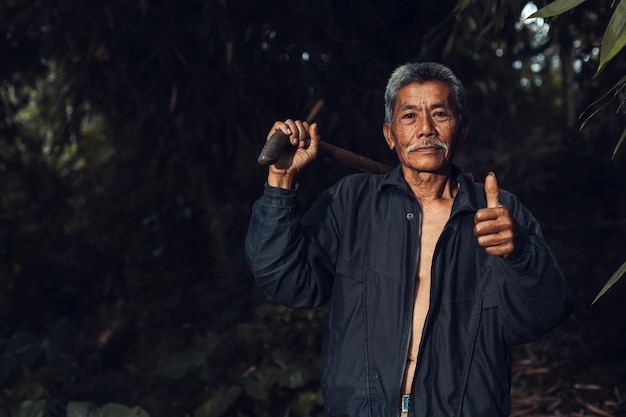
x: 492, y: 190
x: 483, y: 215
x: 501, y: 250
x: 492, y: 220
x: 499, y: 243
x: 493, y: 234
x: 315, y: 139
x: 294, y: 132
x: 303, y: 134
x: 279, y: 127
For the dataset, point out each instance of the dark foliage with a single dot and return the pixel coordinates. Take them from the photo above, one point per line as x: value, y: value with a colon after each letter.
x: 128, y: 139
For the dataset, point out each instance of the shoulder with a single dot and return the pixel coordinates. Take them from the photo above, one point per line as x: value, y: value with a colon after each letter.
x: 350, y: 192
x: 357, y: 184
x: 348, y: 195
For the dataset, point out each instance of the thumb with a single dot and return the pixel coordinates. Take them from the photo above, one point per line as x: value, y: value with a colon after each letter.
x: 491, y: 190
x: 315, y: 138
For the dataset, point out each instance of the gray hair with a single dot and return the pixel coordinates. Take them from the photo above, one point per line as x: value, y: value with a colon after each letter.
x: 421, y: 72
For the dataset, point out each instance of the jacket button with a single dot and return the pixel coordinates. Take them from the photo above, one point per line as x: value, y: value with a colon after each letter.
x: 410, y: 216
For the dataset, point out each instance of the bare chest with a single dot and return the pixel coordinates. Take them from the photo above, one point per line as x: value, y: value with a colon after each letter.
x: 433, y: 223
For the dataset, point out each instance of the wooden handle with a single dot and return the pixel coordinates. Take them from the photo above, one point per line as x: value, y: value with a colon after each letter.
x: 353, y: 160
x: 272, y: 148
x: 275, y: 144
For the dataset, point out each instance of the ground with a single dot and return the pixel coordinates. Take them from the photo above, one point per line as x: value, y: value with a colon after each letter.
x: 573, y: 371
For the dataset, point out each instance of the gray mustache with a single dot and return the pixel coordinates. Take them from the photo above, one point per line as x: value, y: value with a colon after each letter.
x: 429, y: 142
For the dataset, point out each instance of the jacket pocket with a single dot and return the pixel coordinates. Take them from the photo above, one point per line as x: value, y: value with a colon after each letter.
x: 490, y: 300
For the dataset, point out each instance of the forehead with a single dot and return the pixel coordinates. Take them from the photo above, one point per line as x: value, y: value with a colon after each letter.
x: 428, y: 93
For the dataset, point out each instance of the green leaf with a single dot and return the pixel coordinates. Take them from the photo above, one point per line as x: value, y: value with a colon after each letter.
x: 118, y: 410
x: 614, y: 90
x: 189, y: 361
x: 29, y: 409
x: 614, y: 278
x: 260, y: 383
x: 461, y: 5
x: 555, y: 8
x: 76, y: 409
x: 619, y: 144
x: 219, y: 404
x: 306, y: 402
x: 282, y: 357
x: 614, y: 37
x: 179, y: 364
x: 294, y: 377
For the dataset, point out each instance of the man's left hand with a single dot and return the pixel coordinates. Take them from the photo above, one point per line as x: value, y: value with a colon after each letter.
x: 493, y: 226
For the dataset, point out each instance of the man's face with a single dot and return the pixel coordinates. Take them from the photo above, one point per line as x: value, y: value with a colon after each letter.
x: 425, y: 129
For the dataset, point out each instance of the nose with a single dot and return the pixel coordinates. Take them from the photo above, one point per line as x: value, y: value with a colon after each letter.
x: 425, y: 127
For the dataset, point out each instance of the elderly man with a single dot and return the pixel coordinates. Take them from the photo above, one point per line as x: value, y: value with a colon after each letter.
x: 430, y: 277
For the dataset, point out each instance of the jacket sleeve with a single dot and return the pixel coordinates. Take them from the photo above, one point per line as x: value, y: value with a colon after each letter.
x: 533, y: 291
x: 292, y: 260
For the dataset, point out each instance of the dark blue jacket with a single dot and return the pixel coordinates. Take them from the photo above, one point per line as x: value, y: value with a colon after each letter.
x: 358, y: 247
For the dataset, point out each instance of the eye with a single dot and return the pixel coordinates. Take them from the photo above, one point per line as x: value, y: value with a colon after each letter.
x: 441, y: 115
x: 408, y: 118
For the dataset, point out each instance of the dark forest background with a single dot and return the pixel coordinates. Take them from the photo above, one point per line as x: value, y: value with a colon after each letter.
x: 129, y: 131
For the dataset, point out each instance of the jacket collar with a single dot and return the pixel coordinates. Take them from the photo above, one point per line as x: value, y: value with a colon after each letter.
x: 464, y: 200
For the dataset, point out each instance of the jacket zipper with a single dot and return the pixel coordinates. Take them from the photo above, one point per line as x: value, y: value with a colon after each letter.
x: 427, y: 319
x: 409, y: 315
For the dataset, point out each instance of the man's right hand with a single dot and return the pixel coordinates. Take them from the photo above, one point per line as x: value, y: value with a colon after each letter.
x: 304, y: 139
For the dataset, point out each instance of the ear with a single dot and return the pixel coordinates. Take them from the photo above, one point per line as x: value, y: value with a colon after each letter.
x: 388, y: 135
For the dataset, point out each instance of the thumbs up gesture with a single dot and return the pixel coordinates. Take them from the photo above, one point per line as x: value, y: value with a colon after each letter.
x: 493, y: 226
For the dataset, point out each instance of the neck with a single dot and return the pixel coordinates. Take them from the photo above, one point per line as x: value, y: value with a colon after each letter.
x: 429, y: 186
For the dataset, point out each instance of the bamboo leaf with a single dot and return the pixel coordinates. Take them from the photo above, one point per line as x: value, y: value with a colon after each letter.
x: 614, y: 90
x: 619, y: 144
x: 614, y: 38
x: 614, y: 278
x: 582, y: 125
x: 461, y: 5
x: 555, y: 8
x: 617, y: 86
